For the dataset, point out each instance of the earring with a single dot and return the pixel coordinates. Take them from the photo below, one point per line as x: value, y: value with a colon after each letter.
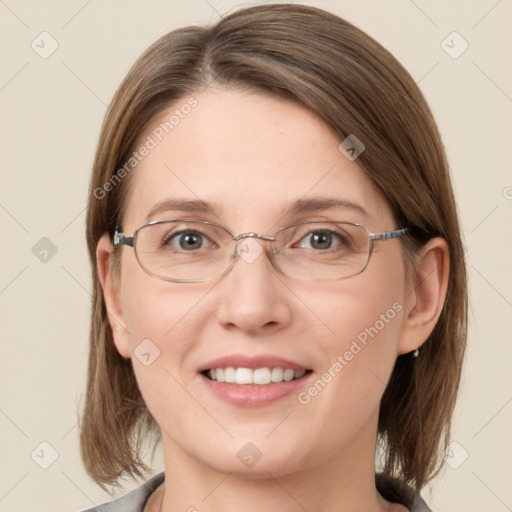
x: 415, y: 353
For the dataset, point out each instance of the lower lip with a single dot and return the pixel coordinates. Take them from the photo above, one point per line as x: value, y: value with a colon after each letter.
x: 255, y: 395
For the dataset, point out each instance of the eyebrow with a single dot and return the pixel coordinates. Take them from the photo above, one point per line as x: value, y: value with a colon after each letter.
x: 300, y: 206
x: 184, y: 205
x: 317, y: 204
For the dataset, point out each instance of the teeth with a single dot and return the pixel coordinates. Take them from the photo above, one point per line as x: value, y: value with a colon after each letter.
x: 229, y: 374
x: 243, y: 376
x: 277, y: 374
x: 299, y: 373
x: 260, y: 376
x: 288, y: 375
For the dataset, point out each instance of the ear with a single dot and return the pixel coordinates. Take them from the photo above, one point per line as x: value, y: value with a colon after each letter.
x: 425, y: 298
x: 110, y: 282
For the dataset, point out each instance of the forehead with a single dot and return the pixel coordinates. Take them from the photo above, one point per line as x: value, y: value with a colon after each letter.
x: 248, y: 154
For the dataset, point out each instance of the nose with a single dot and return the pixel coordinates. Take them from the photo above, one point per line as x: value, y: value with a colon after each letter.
x: 253, y: 298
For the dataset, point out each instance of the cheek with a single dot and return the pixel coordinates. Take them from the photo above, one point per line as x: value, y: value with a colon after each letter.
x: 162, y: 320
x: 364, y: 317
x: 153, y: 308
x: 364, y: 308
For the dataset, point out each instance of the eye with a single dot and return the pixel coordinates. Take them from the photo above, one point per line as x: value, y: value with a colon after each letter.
x: 321, y: 240
x: 187, y: 240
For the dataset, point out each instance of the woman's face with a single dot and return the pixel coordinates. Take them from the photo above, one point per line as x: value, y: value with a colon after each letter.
x: 250, y: 157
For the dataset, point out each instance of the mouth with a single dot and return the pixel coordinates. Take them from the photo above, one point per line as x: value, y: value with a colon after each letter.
x: 263, y: 376
x: 254, y: 380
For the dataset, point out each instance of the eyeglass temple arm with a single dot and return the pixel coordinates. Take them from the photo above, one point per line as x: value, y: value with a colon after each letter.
x: 388, y: 235
x: 122, y: 239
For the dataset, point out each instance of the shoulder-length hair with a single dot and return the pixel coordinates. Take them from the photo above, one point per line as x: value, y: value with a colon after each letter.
x: 356, y: 87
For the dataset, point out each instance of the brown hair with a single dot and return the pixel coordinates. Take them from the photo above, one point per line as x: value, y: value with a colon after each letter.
x: 357, y: 87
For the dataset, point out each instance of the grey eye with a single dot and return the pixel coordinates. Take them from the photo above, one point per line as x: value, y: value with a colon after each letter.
x: 321, y: 240
x: 187, y: 240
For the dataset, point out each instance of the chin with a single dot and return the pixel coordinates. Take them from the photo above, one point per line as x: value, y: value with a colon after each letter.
x: 255, y: 457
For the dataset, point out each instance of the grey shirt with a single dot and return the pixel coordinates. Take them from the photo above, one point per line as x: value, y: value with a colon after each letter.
x: 390, y: 489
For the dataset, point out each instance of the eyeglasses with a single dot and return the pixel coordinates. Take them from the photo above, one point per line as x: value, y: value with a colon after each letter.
x: 191, y: 251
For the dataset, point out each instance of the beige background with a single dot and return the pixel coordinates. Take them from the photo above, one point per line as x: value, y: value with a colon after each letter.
x: 52, y: 110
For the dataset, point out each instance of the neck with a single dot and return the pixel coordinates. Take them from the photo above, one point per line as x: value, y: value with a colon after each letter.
x: 342, y: 482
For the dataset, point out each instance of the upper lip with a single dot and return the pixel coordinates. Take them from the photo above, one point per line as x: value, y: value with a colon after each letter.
x: 252, y: 362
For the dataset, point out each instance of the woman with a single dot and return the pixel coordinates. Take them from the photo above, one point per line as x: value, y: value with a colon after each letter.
x: 280, y: 286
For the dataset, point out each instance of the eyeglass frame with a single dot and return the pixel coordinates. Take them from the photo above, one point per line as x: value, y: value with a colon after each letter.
x: 120, y: 239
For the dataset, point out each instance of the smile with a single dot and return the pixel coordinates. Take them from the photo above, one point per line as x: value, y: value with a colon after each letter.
x: 260, y: 376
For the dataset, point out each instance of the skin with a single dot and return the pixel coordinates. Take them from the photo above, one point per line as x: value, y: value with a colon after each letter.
x: 250, y: 155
